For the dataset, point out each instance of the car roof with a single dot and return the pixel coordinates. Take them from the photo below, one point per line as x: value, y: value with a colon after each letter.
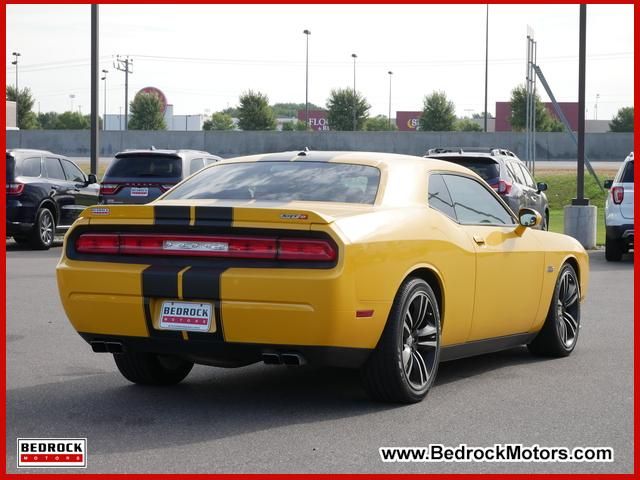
x: 493, y: 153
x: 374, y: 159
x: 31, y: 151
x: 161, y: 152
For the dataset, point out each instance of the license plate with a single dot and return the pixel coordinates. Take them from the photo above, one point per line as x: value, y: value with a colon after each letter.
x: 186, y: 316
x: 139, y: 192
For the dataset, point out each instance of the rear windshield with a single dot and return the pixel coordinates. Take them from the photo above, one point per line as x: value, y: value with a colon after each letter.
x: 487, y: 169
x: 144, y: 166
x: 284, y: 182
x: 627, y: 176
x: 23, y: 167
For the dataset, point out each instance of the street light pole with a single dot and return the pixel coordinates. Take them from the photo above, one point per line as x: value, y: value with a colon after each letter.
x: 486, y: 69
x: 390, y: 75
x: 104, y: 114
x: 306, y: 89
x: 15, y: 62
x: 355, y: 124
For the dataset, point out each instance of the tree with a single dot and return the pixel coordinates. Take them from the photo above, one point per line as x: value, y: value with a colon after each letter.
x: 340, y: 106
x: 233, y: 111
x: 545, y: 122
x: 623, y: 121
x: 27, y: 120
x: 295, y: 126
x: 289, y: 110
x: 438, y: 114
x: 468, y: 125
x: 379, y: 123
x: 146, y: 113
x: 72, y: 121
x: 48, y: 120
x: 218, y: 121
x: 254, y: 112
x: 481, y: 115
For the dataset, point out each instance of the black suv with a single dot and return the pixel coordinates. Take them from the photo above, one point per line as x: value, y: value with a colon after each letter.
x: 505, y: 173
x: 45, y: 194
x: 140, y: 176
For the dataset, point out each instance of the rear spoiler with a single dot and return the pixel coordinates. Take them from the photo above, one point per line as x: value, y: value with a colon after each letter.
x: 203, y: 215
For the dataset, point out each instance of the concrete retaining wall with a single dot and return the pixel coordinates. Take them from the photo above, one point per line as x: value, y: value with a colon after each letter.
x: 550, y: 146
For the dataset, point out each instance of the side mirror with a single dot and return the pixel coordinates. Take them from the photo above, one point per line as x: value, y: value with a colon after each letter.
x: 529, y: 217
x: 91, y: 178
x: 608, y: 183
x: 542, y: 187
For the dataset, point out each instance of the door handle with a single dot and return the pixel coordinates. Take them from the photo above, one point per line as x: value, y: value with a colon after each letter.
x: 478, y: 239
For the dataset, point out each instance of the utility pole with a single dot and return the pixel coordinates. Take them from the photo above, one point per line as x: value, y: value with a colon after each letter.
x: 390, y: 75
x: 306, y: 90
x: 486, y: 69
x: 355, y: 123
x: 95, y: 97
x: 104, y: 113
x: 15, y: 62
x: 580, y: 200
x: 125, y: 64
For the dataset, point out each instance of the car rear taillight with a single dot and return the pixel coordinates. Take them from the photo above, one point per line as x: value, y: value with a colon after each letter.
x: 15, y: 188
x: 221, y: 246
x: 98, y: 243
x: 109, y: 188
x: 502, y: 187
x: 318, y: 250
x: 617, y: 194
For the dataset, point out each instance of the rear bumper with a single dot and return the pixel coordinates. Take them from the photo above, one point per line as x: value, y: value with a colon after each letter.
x: 224, y: 354
x: 20, y: 216
x: 621, y: 232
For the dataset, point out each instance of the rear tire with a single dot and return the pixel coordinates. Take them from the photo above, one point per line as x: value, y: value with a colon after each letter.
x: 404, y: 364
x: 613, y: 250
x: 546, y: 221
x: 44, y: 230
x: 151, y: 369
x: 559, y: 334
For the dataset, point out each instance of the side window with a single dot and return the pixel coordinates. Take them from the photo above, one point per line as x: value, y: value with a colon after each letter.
x: 30, y: 167
x: 73, y: 173
x: 196, y: 164
x: 627, y: 176
x: 473, y: 203
x: 54, y: 169
x: 209, y: 161
x: 527, y: 176
x: 515, y: 173
x: 439, y: 197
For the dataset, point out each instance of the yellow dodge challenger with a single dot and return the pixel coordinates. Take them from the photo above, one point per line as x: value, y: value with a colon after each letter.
x: 387, y: 263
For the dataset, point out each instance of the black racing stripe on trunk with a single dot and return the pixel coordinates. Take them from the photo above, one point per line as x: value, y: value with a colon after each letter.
x: 160, y: 281
x: 152, y: 331
x: 204, y: 284
x: 214, y: 216
x: 171, y: 215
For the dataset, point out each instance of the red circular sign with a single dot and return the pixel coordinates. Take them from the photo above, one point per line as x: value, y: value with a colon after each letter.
x: 158, y: 93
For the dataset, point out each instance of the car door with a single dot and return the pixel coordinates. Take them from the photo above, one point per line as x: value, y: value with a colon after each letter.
x: 84, y: 195
x: 60, y: 190
x: 509, y: 265
x: 534, y: 198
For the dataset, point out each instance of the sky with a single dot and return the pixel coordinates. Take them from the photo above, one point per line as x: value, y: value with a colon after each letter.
x: 204, y: 56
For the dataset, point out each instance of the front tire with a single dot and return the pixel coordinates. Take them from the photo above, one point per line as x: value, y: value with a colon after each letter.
x: 404, y: 364
x: 152, y: 369
x: 613, y: 250
x: 44, y: 230
x: 559, y: 334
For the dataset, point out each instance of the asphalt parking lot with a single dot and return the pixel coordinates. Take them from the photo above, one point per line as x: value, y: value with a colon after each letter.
x: 280, y: 419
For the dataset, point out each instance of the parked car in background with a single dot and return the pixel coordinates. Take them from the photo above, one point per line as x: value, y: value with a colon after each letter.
x: 388, y: 263
x: 505, y: 173
x: 140, y: 176
x: 618, y: 212
x: 45, y: 194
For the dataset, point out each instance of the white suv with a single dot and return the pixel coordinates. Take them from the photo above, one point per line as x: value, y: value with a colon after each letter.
x: 618, y: 210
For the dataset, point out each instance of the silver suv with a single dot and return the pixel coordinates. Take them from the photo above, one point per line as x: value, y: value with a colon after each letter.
x: 618, y: 210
